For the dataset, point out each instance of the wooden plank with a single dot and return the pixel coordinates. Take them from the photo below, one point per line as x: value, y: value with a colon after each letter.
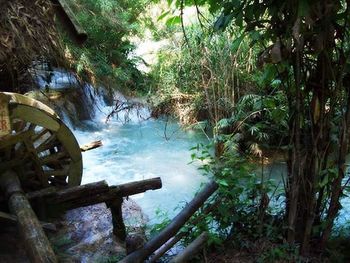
x: 43, y: 193
x: 95, y: 193
x: 90, y: 146
x: 77, y: 192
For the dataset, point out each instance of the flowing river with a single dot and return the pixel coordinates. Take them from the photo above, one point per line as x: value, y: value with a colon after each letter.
x: 142, y: 149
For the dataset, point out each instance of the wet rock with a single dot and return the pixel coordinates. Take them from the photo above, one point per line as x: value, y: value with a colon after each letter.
x: 134, y: 241
x: 87, y: 233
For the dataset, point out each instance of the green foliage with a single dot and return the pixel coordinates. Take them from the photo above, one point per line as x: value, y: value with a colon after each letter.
x: 163, y: 219
x: 104, y: 57
x: 240, y: 212
x: 257, y: 120
x: 280, y: 253
x: 305, y: 57
x: 214, y: 71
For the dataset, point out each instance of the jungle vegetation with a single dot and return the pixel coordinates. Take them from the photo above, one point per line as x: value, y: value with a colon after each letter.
x: 264, y: 76
x: 267, y: 75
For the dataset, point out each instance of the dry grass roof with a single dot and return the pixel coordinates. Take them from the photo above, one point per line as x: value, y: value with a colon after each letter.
x: 27, y: 32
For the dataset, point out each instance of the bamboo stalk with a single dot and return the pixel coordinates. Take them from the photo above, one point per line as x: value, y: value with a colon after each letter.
x: 174, y: 226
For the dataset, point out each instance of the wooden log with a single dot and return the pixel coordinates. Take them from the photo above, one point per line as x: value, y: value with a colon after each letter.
x: 191, y: 250
x: 36, y: 243
x: 90, y: 146
x: 74, y: 200
x: 174, y: 226
x: 164, y: 248
x: 59, y: 200
x: 9, y: 219
x: 171, y: 242
x: 78, y: 192
x: 43, y: 193
x: 119, y: 229
x: 137, y: 187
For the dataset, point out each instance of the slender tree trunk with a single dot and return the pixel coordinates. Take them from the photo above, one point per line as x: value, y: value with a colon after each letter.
x: 334, y: 205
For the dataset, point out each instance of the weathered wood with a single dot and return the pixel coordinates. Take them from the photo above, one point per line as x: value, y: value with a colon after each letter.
x: 166, y: 246
x: 58, y: 200
x: 37, y: 128
x: 174, y: 226
x: 137, y: 187
x: 119, y: 229
x: 90, y: 146
x: 68, y: 18
x: 10, y: 219
x: 36, y: 243
x: 171, y: 242
x: 191, y: 250
x: 90, y: 198
x: 77, y: 192
x: 43, y: 193
x: 5, y: 124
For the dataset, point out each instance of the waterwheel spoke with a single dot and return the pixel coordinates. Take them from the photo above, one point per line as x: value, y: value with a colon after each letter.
x: 12, y: 139
x: 49, y: 143
x: 58, y: 181
x: 63, y: 172
x: 36, y: 162
x: 19, y: 161
x: 40, y: 134
x: 19, y: 125
x: 52, y: 158
x: 40, y: 149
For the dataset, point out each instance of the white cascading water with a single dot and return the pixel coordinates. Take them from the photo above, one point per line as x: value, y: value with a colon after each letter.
x: 135, y: 147
x: 142, y: 148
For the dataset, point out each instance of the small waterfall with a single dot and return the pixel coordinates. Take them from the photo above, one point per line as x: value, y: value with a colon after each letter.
x: 74, y: 101
x: 135, y: 146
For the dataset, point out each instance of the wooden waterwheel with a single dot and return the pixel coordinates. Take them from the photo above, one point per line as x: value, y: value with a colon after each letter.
x: 36, y: 144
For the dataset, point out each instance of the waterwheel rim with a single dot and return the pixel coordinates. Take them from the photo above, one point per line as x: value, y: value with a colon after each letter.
x: 39, y: 147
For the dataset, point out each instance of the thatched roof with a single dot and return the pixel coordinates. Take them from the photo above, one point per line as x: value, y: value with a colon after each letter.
x: 27, y: 32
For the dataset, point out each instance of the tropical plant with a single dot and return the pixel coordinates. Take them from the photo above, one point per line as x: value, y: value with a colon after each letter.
x: 210, y: 76
x: 304, y: 46
x: 104, y: 57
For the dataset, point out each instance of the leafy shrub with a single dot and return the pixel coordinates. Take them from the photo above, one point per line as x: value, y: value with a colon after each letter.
x: 212, y: 68
x: 104, y: 57
x: 241, y: 210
